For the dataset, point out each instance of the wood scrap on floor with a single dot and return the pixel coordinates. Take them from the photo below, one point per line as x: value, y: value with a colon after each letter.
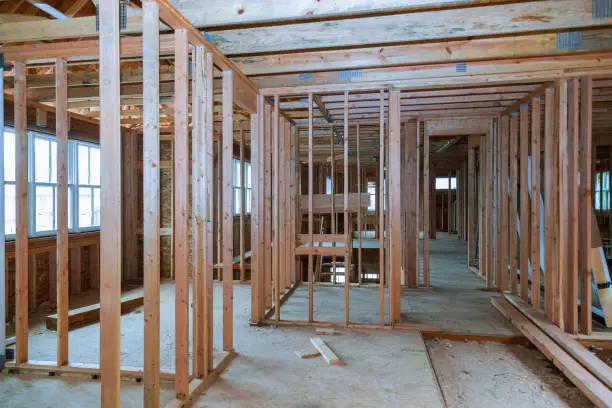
x: 327, y: 353
x: 91, y: 314
x: 307, y: 353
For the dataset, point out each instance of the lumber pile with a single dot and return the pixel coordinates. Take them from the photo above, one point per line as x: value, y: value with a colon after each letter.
x: 91, y: 314
x: 584, y: 370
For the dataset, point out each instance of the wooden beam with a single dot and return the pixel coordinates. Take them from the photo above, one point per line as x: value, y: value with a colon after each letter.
x: 310, y: 204
x: 180, y: 231
x: 61, y: 130
x: 198, y: 216
x: 426, y: 204
x: 381, y: 206
x: 394, y: 207
x: 360, y: 211
x: 110, y: 205
x: 3, y: 268
x: 21, y: 236
x: 208, y: 194
x: 585, y: 204
x: 242, y: 210
x: 573, y: 134
x: 257, y: 231
x: 228, y: 216
x: 550, y: 16
x: 151, y: 202
x: 465, y: 50
x: 502, y: 274
x: 270, y: 13
x: 275, y: 208
x: 246, y: 89
x: 563, y: 203
x: 471, y: 204
x: 348, y: 238
x: 550, y: 191
x: 524, y: 201
x: 411, y: 185
x: 513, y: 202
x: 535, y: 202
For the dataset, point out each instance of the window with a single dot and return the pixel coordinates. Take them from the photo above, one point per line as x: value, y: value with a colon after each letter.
x: 247, y: 186
x: 372, y: 192
x: 328, y: 185
x: 442, y: 183
x: 83, y: 184
x: 10, y: 193
x: 88, y: 185
x: 43, y: 189
x: 602, y: 190
x: 237, y: 189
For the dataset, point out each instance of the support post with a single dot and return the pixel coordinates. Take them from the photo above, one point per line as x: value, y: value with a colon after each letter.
x: 585, y: 204
x: 513, y: 201
x: 535, y: 203
x: 151, y: 202
x: 503, y: 205
x: 228, y: 216
x: 411, y: 185
x: 426, y: 205
x: 381, y: 207
x: 242, y: 208
x: 562, y: 200
x: 61, y: 129
x: 207, y: 195
x: 524, y: 206
x: 394, y: 206
x: 110, y: 204
x: 573, y: 134
x: 347, y: 230
x: 471, y: 204
x: 181, y: 219
x: 310, y: 217
x: 3, y: 273
x: 275, y: 208
x: 550, y: 204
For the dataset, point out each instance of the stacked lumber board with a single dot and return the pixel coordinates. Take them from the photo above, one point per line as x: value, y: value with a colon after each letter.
x: 582, y: 368
x: 91, y: 314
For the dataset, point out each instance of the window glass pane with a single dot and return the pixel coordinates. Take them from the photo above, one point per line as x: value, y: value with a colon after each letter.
x: 442, y: 183
x: 10, y: 217
x: 53, y: 162
x: 42, y: 167
x: 85, y: 214
x: 44, y: 208
x: 328, y: 185
x: 236, y: 173
x: 237, y: 201
x: 83, y: 165
x: 247, y: 201
x: 9, y: 156
x: 248, y: 175
x: 94, y: 157
x: 597, y: 205
x: 96, y: 207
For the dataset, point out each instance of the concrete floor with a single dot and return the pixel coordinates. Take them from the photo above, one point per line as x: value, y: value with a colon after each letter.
x: 385, y: 368
x: 456, y: 302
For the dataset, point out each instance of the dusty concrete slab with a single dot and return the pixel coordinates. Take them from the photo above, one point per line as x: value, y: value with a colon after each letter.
x: 484, y: 375
x: 456, y: 302
x: 383, y: 368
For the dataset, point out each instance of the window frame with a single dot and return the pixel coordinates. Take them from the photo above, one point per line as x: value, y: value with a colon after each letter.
x: 73, y: 184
